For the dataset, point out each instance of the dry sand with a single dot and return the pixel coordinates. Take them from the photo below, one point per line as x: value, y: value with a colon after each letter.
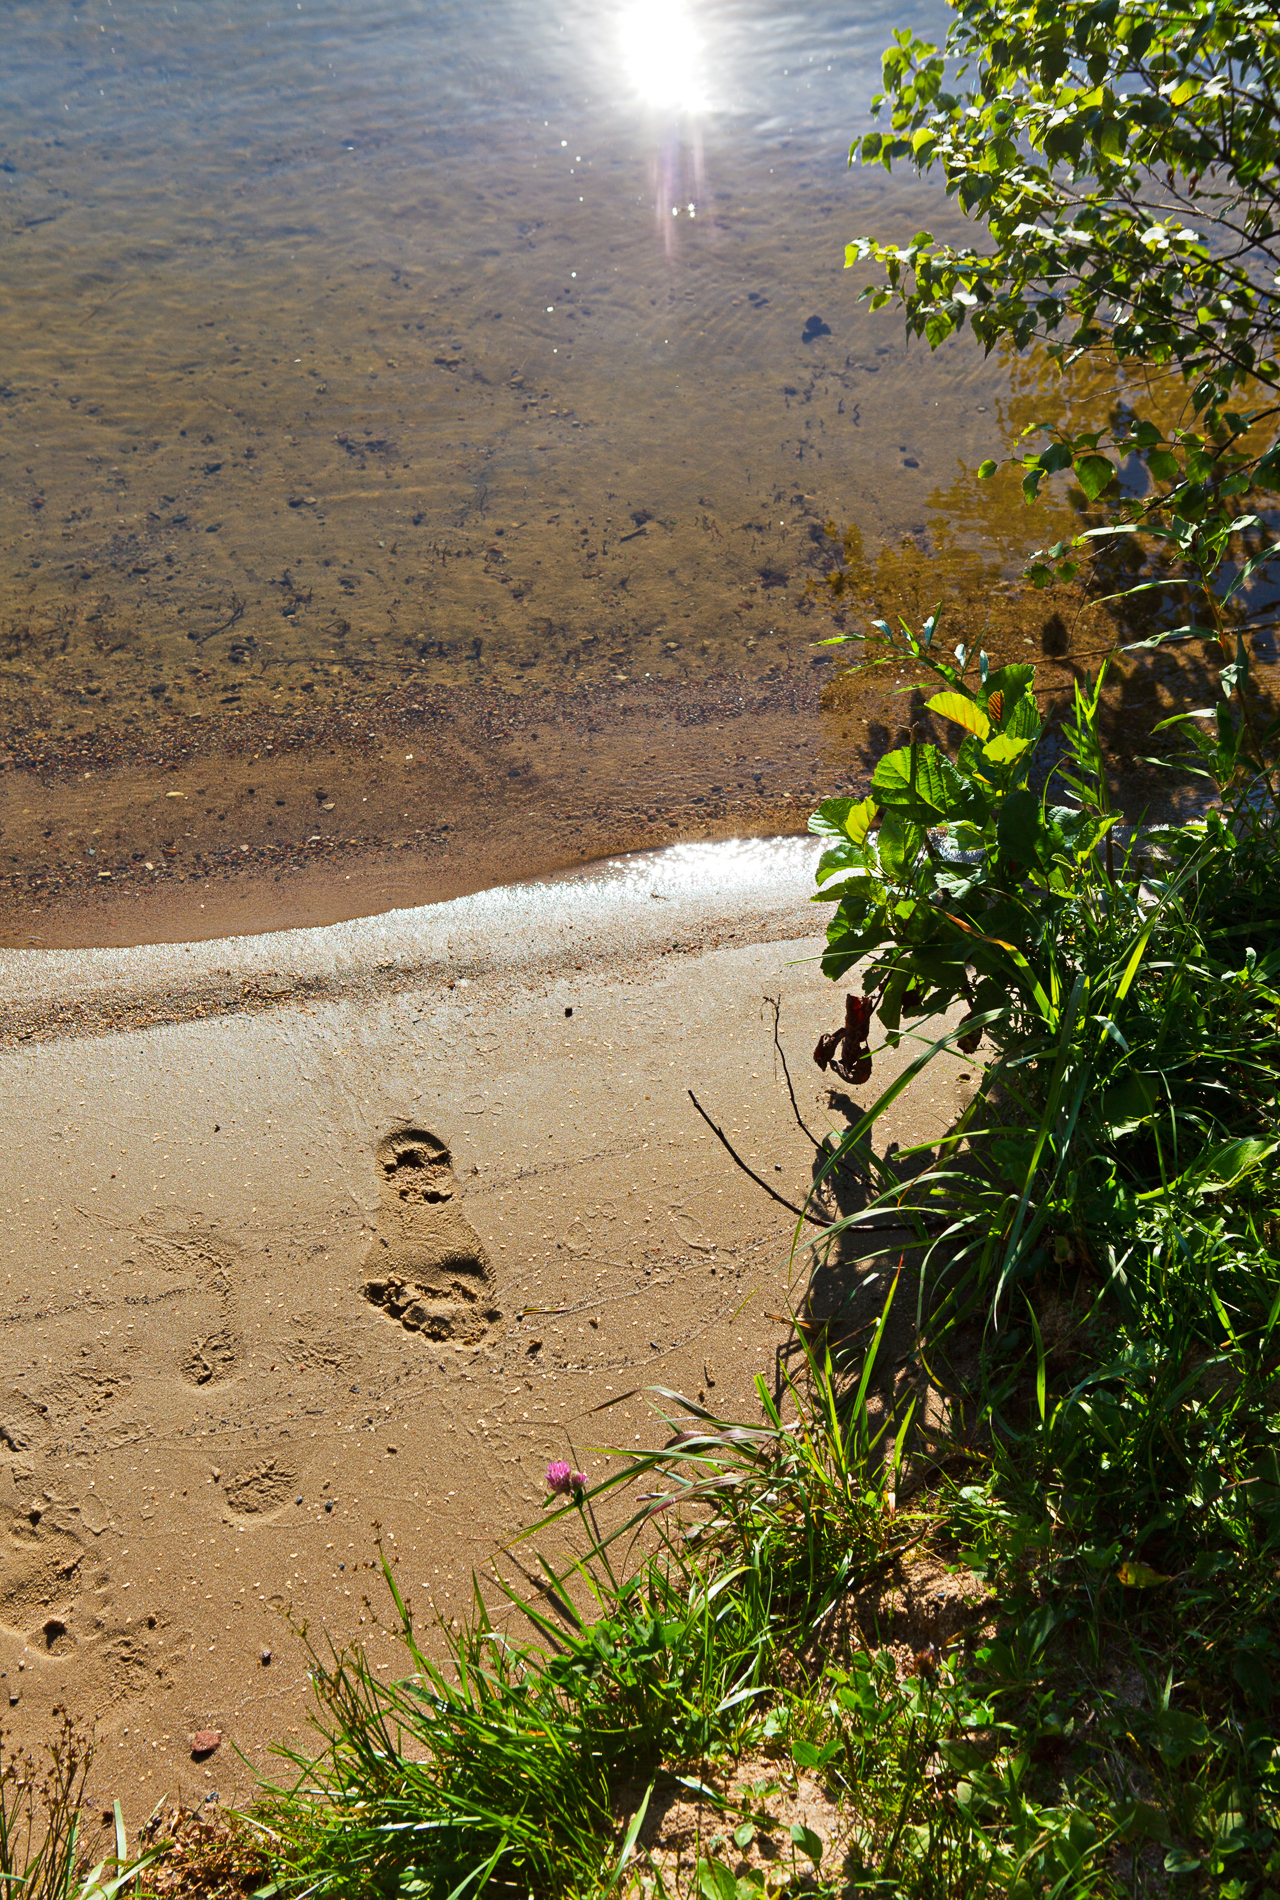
x: 371, y: 1252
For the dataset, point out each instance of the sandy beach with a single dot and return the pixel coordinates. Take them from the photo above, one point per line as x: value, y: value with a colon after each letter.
x: 335, y: 1229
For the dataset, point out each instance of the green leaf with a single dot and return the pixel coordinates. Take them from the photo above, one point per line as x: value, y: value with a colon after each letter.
x: 857, y: 927
x: 1142, y: 1820
x: 890, y: 1010
x: 829, y: 819
x: 922, y: 783
x: 1011, y: 682
x: 1138, y: 1576
x: 843, y: 860
x: 859, y: 820
x: 807, y: 1841
x: 1020, y: 829
x: 987, y: 469
x: 810, y: 1755
x: 1127, y: 1106
x: 1267, y: 473
x: 1164, y: 465
x: 1178, y: 1735
x: 1227, y: 1166
x: 899, y: 842
x: 632, y: 1834
x: 744, y: 1834
x: 961, y: 1755
x: 962, y: 711
x: 1094, y: 473
x: 1111, y: 141
x: 1024, y: 721
x: 1003, y: 749
x: 717, y: 1881
x: 1057, y: 456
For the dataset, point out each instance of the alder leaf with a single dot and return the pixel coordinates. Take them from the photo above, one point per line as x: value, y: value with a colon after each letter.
x: 859, y: 820
x: 961, y: 711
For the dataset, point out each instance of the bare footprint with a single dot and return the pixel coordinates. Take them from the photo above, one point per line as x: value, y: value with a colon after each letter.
x: 459, y: 1316
x: 41, y: 1554
x: 211, y: 1359
x: 23, y: 1435
x: 260, y: 1488
x: 209, y: 1257
x: 427, y: 1267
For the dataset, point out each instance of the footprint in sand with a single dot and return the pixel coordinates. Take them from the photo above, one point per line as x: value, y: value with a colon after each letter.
x: 260, y: 1488
x: 211, y: 1358
x: 41, y: 1555
x: 427, y: 1267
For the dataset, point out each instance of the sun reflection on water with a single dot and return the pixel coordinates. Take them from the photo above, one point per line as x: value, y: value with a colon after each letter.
x: 662, y: 54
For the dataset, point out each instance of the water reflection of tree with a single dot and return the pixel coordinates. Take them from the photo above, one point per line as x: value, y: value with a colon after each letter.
x: 972, y: 555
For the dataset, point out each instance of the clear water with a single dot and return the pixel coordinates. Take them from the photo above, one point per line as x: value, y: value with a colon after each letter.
x: 352, y: 342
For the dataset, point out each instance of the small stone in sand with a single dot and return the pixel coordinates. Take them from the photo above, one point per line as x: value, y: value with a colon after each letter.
x: 204, y: 1741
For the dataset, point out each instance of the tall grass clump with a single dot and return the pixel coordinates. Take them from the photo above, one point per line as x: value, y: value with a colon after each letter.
x: 42, y: 1853
x: 504, y: 1769
x: 1110, y: 1201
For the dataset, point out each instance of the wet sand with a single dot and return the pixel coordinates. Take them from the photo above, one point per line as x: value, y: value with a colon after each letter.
x: 260, y: 822
x: 264, y: 824
x: 331, y: 1229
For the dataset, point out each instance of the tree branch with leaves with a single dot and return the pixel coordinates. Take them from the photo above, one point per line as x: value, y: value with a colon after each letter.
x: 1122, y: 157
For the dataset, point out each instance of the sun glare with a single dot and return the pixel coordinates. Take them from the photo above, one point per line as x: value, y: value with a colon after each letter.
x: 661, y: 52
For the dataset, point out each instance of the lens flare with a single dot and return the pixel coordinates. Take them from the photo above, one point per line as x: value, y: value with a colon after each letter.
x: 662, y: 54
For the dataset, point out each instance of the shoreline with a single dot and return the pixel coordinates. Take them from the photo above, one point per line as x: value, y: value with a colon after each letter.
x: 212, y: 1398
x: 265, y: 821
x: 265, y: 824
x: 672, y: 902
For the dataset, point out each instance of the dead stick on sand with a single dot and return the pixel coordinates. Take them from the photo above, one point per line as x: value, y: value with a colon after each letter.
x: 775, y: 1004
x: 842, y: 1169
x: 773, y: 1194
x: 870, y: 1227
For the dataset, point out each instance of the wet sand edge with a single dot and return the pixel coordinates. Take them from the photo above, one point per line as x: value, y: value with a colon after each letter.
x: 266, y: 824
x: 627, y: 912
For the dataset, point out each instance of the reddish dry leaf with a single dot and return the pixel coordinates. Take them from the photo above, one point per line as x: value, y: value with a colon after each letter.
x: 854, y: 1062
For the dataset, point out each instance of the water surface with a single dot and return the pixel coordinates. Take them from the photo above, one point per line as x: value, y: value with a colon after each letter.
x: 362, y: 353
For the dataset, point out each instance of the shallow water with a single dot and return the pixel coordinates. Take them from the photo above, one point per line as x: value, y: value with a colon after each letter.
x: 348, y: 340
x: 374, y: 372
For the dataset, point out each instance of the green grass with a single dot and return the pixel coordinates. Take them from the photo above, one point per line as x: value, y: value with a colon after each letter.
x: 671, y: 1667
